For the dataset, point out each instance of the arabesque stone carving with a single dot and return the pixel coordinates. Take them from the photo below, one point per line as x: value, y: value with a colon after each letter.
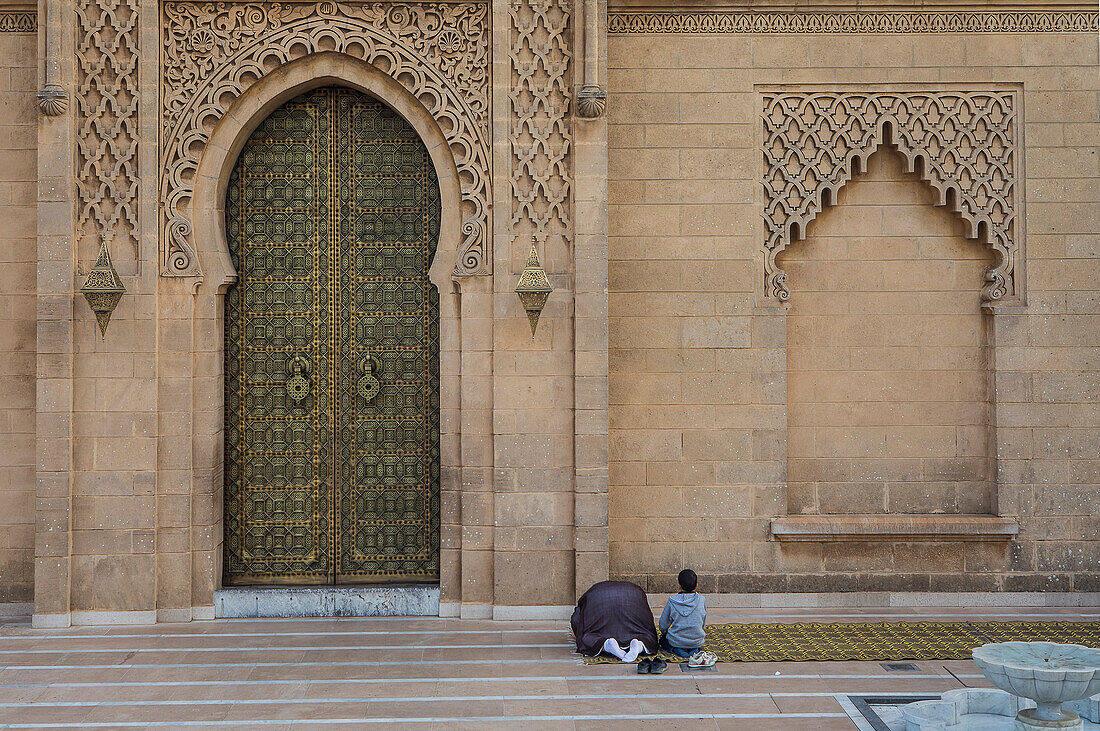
x: 215, y: 51
x: 1044, y: 21
x: 541, y: 137
x: 18, y: 21
x: 107, y: 117
x: 963, y: 143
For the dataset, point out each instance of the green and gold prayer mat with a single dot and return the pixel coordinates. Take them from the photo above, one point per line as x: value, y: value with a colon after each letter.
x: 875, y: 641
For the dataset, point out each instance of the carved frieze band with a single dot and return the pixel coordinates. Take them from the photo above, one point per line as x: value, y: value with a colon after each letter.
x: 215, y: 51
x: 106, y: 119
x: 963, y: 143
x: 18, y: 21
x: 622, y: 23
x: 541, y: 137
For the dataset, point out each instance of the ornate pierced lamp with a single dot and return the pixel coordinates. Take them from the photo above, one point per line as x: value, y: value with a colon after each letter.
x: 103, y: 288
x: 533, y: 288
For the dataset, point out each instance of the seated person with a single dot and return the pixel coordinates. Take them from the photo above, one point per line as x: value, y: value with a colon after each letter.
x: 682, y: 622
x: 614, y: 617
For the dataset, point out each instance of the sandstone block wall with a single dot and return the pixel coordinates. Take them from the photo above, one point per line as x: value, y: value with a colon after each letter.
x: 882, y: 387
x: 18, y: 259
x: 715, y: 397
x: 888, y: 363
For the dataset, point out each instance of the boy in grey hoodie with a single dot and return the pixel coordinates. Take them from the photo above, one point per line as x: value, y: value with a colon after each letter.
x: 683, y: 618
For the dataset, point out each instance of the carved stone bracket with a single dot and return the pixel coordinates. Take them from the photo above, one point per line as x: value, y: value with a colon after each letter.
x: 215, y: 51
x: 52, y: 100
x: 963, y: 143
x: 591, y: 102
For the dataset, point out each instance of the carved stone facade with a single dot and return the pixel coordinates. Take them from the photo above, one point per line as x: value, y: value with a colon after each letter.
x: 681, y: 397
x: 964, y: 143
x: 821, y: 431
x: 214, y: 52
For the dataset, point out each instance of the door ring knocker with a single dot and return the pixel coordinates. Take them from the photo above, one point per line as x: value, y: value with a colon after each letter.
x: 297, y: 386
x: 368, y: 384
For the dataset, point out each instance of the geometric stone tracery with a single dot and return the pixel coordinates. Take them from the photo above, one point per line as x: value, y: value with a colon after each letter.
x: 801, y: 22
x: 963, y: 143
x: 107, y: 119
x: 541, y: 138
x: 213, y: 52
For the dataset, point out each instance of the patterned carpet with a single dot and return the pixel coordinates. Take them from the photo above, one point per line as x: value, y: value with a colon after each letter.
x: 875, y: 641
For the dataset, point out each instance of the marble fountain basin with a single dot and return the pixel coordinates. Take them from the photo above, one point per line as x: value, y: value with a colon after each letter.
x: 984, y: 709
x: 1047, y: 672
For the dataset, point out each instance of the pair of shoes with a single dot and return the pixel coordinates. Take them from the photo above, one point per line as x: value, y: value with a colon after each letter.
x: 656, y: 666
x: 702, y: 659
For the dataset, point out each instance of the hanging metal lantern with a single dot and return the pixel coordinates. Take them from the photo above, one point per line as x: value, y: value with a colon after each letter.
x: 533, y: 288
x: 103, y: 288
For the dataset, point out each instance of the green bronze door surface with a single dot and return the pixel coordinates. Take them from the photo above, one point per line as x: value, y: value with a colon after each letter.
x: 332, y: 349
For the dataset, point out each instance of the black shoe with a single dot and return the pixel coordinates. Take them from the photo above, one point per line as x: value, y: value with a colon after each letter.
x: 643, y: 667
x: 657, y: 666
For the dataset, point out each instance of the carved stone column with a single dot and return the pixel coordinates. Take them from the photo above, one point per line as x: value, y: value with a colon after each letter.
x: 590, y: 401
x: 592, y: 99
x: 54, y: 401
x: 52, y: 98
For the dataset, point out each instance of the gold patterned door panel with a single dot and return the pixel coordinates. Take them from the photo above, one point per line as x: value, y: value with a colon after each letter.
x: 332, y: 349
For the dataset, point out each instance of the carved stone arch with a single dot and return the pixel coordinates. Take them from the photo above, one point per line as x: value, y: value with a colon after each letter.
x: 437, y: 53
x: 965, y: 144
x: 275, y: 89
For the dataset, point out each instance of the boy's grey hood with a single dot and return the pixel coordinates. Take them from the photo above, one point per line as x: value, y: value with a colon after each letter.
x: 684, y: 604
x: 682, y: 620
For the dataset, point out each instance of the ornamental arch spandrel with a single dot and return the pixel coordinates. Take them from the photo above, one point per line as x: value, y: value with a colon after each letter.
x: 965, y: 143
x: 436, y: 52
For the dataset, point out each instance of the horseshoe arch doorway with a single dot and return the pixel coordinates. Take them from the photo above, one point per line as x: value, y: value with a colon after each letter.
x: 332, y: 349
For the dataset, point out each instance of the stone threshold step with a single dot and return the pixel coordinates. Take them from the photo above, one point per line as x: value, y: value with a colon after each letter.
x: 327, y: 601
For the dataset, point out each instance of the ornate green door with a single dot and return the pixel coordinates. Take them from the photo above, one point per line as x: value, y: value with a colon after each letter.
x: 332, y: 349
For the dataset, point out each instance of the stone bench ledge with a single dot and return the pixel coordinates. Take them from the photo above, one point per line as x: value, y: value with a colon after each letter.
x: 893, y: 528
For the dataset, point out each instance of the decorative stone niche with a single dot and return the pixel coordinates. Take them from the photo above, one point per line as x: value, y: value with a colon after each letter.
x: 964, y: 143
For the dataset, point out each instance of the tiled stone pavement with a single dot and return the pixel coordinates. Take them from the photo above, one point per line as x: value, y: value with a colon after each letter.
x: 434, y: 673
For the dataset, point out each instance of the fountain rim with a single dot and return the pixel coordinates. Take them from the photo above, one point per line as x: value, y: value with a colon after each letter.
x: 984, y: 651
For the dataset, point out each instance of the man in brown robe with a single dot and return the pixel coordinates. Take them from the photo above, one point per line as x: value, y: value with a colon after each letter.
x: 613, y: 610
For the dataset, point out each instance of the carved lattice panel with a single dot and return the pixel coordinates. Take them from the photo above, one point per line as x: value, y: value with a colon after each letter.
x: 963, y: 143
x: 541, y: 137
x: 332, y: 413
x: 107, y: 97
